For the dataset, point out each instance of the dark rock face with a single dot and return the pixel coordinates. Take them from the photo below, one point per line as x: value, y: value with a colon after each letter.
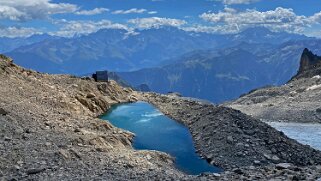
x: 296, y: 101
x: 308, y: 60
x: 310, y: 65
x: 3, y: 112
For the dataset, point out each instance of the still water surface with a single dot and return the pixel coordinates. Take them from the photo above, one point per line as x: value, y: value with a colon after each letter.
x: 155, y: 131
x: 309, y: 134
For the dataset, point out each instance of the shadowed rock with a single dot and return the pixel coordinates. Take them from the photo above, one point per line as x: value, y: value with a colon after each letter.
x: 3, y: 112
x: 296, y: 101
x: 310, y: 65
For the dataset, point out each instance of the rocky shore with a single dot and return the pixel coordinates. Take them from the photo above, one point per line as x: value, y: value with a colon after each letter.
x: 48, y: 131
x: 242, y: 145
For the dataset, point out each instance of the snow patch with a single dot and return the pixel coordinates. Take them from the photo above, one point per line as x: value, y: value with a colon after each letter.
x: 314, y: 87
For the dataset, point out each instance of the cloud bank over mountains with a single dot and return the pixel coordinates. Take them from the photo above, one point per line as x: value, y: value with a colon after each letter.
x: 280, y: 19
x: 67, y: 18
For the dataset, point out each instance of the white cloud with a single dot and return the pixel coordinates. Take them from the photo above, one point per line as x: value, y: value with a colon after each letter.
x: 152, y: 12
x: 11, y: 13
x: 156, y: 22
x: 229, y: 2
x: 134, y: 11
x: 21, y: 10
x: 280, y: 19
x: 130, y: 11
x: 13, y: 32
x: 71, y: 28
x: 316, y: 18
x: 92, y: 12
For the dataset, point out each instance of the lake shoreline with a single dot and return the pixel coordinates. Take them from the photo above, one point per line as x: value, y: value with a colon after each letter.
x: 50, y: 131
x: 221, y: 141
x: 149, y: 124
x: 305, y: 133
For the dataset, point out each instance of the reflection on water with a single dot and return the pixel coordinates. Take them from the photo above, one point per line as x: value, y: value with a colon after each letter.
x: 155, y: 131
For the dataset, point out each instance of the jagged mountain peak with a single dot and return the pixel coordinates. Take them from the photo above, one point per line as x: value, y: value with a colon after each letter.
x: 310, y: 65
x: 308, y: 60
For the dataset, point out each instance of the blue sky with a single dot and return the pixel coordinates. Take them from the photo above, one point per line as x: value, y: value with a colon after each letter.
x: 70, y: 17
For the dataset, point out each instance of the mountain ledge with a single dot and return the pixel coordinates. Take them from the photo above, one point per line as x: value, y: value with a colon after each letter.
x: 296, y: 101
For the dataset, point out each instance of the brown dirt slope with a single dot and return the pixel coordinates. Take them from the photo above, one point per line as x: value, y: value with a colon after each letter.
x: 48, y: 130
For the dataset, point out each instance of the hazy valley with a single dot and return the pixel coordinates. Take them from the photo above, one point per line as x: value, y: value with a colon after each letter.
x: 207, y: 66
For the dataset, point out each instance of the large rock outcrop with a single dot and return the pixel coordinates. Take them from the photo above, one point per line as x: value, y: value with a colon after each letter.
x: 310, y: 65
x: 296, y: 101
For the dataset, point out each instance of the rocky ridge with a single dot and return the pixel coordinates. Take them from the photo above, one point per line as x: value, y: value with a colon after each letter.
x: 242, y: 145
x: 296, y: 101
x: 310, y: 65
x: 49, y: 131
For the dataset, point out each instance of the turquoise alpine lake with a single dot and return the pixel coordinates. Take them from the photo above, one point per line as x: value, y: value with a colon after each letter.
x: 155, y: 131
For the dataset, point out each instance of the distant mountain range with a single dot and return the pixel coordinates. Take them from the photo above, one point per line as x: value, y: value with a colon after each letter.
x: 216, y: 79
x: 221, y: 75
x: 117, y: 50
x: 111, y: 49
x: 9, y: 44
x: 208, y: 66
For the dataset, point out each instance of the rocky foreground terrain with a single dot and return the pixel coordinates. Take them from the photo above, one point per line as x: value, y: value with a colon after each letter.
x: 49, y: 130
x: 249, y: 148
x: 296, y: 101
